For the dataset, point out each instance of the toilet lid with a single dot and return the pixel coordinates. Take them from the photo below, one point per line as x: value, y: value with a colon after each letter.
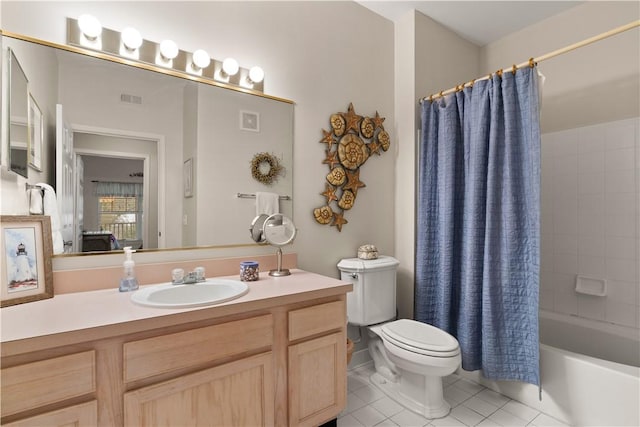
x: 420, y: 338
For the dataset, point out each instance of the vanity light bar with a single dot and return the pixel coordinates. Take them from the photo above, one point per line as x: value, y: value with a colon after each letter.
x: 110, y: 41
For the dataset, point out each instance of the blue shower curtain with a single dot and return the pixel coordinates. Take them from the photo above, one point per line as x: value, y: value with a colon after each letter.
x: 477, y: 248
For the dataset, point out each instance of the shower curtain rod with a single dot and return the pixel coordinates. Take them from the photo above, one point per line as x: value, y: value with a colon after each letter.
x: 540, y: 58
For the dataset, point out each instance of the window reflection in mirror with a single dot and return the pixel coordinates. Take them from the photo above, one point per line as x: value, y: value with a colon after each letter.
x: 117, y: 112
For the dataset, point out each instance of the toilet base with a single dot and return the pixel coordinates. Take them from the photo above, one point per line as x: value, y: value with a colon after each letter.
x: 433, y: 405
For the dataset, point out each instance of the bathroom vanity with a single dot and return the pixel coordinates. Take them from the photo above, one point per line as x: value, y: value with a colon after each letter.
x: 275, y: 356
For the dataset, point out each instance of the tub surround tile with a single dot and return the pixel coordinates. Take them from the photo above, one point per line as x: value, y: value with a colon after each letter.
x: 622, y: 159
x: 591, y: 163
x: 591, y: 266
x: 591, y: 307
x: 566, y: 143
x: 590, y: 245
x: 591, y: 138
x: 565, y: 302
x: 621, y: 313
x: 620, y: 135
x: 590, y: 183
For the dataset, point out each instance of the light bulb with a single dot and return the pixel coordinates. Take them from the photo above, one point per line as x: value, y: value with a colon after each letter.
x: 168, y: 49
x: 201, y: 59
x: 256, y: 74
x: 230, y: 66
x: 131, y: 38
x: 90, y: 26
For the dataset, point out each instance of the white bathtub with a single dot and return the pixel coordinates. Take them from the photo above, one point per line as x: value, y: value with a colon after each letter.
x: 590, y: 337
x: 577, y: 389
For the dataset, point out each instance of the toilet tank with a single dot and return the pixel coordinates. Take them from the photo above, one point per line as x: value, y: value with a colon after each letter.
x: 373, y: 299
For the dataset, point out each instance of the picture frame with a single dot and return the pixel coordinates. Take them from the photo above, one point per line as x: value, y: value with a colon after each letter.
x: 35, y: 135
x: 187, y: 177
x: 249, y: 120
x: 25, y: 259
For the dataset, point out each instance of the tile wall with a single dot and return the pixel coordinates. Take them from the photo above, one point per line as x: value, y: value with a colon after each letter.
x: 590, y: 220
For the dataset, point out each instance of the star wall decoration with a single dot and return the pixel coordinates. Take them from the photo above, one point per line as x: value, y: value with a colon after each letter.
x: 350, y: 143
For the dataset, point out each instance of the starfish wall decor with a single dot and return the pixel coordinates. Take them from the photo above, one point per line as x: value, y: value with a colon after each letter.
x: 356, y: 138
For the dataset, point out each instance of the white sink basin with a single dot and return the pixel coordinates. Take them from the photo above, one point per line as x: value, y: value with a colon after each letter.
x: 209, y: 292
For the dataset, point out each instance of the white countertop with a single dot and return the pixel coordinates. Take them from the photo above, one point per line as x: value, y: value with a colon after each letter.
x: 109, y: 312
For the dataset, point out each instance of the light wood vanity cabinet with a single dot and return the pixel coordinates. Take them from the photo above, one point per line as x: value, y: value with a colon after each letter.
x: 317, y: 363
x: 277, y: 365
x: 232, y: 394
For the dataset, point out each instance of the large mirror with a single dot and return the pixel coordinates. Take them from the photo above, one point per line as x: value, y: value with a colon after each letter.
x: 18, y: 94
x: 152, y: 160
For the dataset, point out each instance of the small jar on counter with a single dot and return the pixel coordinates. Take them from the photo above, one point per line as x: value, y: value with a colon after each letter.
x: 249, y: 271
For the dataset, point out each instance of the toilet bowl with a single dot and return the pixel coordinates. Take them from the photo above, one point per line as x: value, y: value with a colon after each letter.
x: 410, y: 357
x: 410, y: 360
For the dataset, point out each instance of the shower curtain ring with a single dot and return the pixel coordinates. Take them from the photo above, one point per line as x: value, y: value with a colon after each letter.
x: 513, y: 69
x: 531, y: 63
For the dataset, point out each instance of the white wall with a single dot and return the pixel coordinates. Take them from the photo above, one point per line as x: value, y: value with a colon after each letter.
x: 429, y: 58
x: 322, y: 55
x: 594, y: 84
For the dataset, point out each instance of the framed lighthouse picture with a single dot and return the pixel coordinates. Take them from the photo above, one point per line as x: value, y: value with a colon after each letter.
x: 25, y: 259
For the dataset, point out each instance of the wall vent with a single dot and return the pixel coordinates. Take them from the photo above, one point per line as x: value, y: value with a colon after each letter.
x: 130, y: 99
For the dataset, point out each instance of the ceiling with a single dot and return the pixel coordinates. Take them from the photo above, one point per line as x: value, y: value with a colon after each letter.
x: 480, y: 22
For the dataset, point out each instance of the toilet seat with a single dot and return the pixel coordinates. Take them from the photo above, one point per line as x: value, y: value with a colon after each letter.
x: 420, y: 338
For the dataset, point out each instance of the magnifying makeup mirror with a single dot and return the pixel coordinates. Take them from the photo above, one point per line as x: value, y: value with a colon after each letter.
x: 278, y: 230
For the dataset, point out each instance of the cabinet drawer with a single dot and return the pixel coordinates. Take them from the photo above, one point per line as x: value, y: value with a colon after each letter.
x: 85, y: 414
x: 166, y: 353
x: 317, y: 319
x: 48, y: 381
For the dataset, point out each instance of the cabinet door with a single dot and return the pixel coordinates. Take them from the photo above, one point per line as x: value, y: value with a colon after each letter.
x: 239, y: 393
x: 85, y: 414
x: 317, y: 379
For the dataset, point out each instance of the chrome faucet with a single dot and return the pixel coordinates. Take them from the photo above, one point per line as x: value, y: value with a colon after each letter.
x: 179, y: 278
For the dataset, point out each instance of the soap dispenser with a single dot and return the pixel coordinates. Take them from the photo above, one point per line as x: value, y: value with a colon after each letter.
x: 128, y: 281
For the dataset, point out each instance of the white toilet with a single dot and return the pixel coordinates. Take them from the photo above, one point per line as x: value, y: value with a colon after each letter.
x: 410, y: 357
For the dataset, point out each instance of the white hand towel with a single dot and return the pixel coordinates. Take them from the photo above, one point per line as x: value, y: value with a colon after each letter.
x: 267, y: 203
x: 35, y: 201
x: 51, y: 208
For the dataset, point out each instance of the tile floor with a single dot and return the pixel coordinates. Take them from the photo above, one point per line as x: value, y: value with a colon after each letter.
x: 472, y: 405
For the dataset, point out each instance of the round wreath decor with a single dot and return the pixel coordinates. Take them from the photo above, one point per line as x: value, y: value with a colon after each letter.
x: 259, y: 170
